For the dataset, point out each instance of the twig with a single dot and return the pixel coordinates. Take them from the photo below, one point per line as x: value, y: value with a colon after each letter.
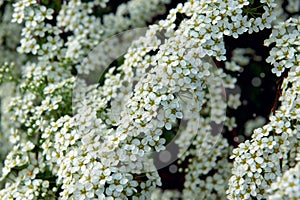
x: 279, y: 91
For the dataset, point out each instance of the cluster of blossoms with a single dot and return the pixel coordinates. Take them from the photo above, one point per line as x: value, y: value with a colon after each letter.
x: 75, y: 140
x: 9, y: 38
x: 253, y: 124
x: 287, y: 186
x: 274, y: 148
x: 38, y: 114
x: 158, y: 194
x: 243, y: 56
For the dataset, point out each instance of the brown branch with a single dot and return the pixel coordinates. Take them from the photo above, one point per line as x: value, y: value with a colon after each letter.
x: 279, y: 90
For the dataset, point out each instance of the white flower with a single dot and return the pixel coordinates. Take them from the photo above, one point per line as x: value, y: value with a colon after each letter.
x: 234, y: 101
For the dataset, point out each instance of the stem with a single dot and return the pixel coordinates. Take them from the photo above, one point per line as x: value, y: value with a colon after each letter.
x: 279, y: 92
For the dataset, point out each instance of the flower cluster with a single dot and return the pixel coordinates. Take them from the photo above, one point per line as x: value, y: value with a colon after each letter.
x: 274, y: 147
x: 286, y: 52
x: 158, y: 194
x: 253, y: 124
x: 286, y: 186
x: 9, y: 38
x: 43, y: 97
x: 72, y: 138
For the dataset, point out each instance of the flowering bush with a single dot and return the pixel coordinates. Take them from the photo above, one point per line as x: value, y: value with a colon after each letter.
x: 145, y: 99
